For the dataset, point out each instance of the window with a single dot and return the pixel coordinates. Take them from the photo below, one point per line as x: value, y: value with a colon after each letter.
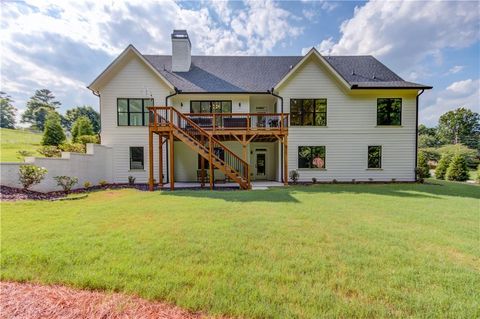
x: 210, y: 106
x: 308, y: 112
x: 133, y: 112
x: 375, y: 157
x: 136, y: 158
x: 311, y: 157
x: 389, y: 111
x: 217, y: 151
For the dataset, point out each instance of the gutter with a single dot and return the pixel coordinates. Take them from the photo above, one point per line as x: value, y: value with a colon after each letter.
x: 281, y: 151
x: 168, y: 164
x: 416, y: 133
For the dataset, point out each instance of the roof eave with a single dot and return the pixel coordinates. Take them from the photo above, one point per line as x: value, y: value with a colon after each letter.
x: 423, y: 87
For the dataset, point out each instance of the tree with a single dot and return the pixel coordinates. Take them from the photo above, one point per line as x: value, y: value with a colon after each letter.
x: 73, y: 114
x: 460, y: 126
x: 53, y: 134
x: 424, y: 130
x: 81, y: 127
x: 442, y: 166
x: 38, y: 107
x: 423, y: 170
x: 7, y: 111
x: 457, y: 170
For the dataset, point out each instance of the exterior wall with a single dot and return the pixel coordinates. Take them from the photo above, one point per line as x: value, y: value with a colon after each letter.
x: 351, y: 128
x: 240, y: 102
x: 94, y: 166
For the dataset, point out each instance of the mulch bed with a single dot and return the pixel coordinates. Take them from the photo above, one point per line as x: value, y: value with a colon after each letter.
x: 26, y: 300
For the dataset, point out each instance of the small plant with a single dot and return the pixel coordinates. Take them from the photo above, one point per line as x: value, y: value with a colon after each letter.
x: 50, y: 151
x: 334, y: 181
x: 294, y: 176
x: 314, y: 180
x: 457, y: 170
x: 354, y: 181
x: 30, y: 175
x: 370, y: 179
x: 394, y: 180
x: 22, y: 154
x: 131, y: 180
x: 103, y: 183
x: 442, y: 166
x: 87, y: 185
x: 66, y: 182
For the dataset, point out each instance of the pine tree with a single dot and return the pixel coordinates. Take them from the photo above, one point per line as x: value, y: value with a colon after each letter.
x: 53, y: 134
x: 38, y: 107
x: 457, y: 170
x: 7, y: 111
x: 82, y: 126
x: 422, y: 167
x: 442, y: 166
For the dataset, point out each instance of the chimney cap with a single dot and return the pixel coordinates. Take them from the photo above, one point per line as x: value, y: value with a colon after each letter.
x: 180, y: 34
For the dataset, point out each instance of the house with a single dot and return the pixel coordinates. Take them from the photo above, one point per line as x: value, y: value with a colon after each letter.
x: 168, y: 117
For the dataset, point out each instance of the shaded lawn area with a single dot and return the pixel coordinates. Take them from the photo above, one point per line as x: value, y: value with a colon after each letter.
x: 307, y: 251
x: 13, y: 141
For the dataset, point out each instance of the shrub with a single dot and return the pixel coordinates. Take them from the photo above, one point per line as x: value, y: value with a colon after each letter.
x: 66, y: 182
x: 22, y: 154
x: 30, y: 175
x: 294, y: 176
x: 84, y: 139
x: 334, y: 181
x: 50, y: 151
x: 431, y: 153
x: 53, y: 133
x: 458, y: 169
x: 314, y: 180
x: 87, y: 184
x: 102, y: 183
x: 423, y: 171
x: 82, y: 126
x: 470, y: 155
x: 478, y: 174
x: 131, y: 180
x: 73, y: 147
x: 442, y: 166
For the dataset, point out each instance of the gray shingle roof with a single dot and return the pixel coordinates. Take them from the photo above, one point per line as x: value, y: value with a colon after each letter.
x: 244, y: 74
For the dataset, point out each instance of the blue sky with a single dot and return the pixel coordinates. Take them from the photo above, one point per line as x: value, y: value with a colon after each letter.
x: 64, y: 45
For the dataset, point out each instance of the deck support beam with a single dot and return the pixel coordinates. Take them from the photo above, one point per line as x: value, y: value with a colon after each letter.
x: 172, y: 148
x: 210, y: 162
x: 285, y: 159
x: 150, y: 160
x: 160, y: 161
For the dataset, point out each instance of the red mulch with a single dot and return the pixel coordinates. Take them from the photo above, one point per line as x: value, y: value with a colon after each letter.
x: 26, y: 300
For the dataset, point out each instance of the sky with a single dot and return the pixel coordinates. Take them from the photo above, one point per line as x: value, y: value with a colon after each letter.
x: 64, y: 45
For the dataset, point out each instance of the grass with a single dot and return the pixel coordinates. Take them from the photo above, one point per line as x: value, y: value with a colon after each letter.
x: 400, y: 250
x: 16, y: 140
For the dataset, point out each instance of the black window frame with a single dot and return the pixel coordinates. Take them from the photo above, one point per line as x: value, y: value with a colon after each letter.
x: 128, y: 112
x: 389, y: 116
x: 379, y: 159
x: 311, y: 147
x: 301, y: 114
x: 211, y: 106
x: 131, y: 157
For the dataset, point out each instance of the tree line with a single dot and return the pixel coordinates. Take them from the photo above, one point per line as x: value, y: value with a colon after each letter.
x: 39, y: 106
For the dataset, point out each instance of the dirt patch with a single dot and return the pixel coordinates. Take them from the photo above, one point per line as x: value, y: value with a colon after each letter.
x: 25, y: 300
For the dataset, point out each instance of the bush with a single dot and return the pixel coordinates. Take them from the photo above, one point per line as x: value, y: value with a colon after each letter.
x: 50, y: 151
x: 458, y: 169
x: 478, y: 174
x: 102, y: 183
x: 470, y: 155
x: 66, y: 182
x: 22, y: 154
x: 423, y: 171
x: 73, y: 147
x: 314, y: 180
x: 53, y: 133
x: 30, y: 175
x: 82, y: 126
x: 87, y: 184
x: 84, y: 139
x: 431, y: 153
x: 131, y: 180
x: 442, y: 166
x: 294, y: 175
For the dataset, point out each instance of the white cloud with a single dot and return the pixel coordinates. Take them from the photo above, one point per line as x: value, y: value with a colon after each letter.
x: 465, y: 93
x: 455, y: 69
x: 405, y: 33
x: 63, y: 45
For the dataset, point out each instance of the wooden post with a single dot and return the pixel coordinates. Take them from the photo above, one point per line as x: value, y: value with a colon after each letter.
x: 210, y: 162
x: 150, y: 160
x: 285, y: 159
x: 202, y: 167
x: 244, y: 147
x: 160, y: 161
x: 172, y: 148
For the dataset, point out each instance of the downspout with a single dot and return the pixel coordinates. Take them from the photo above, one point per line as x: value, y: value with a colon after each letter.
x: 166, y: 104
x: 416, y: 133
x: 281, y: 152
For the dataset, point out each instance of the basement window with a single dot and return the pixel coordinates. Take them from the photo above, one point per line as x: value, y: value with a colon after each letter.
x: 133, y: 112
x: 375, y: 156
x: 136, y: 158
x: 311, y: 157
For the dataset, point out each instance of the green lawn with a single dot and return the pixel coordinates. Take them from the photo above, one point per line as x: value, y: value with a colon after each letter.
x: 16, y: 140
x: 399, y: 250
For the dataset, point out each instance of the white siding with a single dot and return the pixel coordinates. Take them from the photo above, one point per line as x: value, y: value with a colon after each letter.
x: 351, y: 127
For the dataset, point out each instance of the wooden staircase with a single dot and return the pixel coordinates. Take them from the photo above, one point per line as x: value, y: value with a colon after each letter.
x: 203, y: 143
